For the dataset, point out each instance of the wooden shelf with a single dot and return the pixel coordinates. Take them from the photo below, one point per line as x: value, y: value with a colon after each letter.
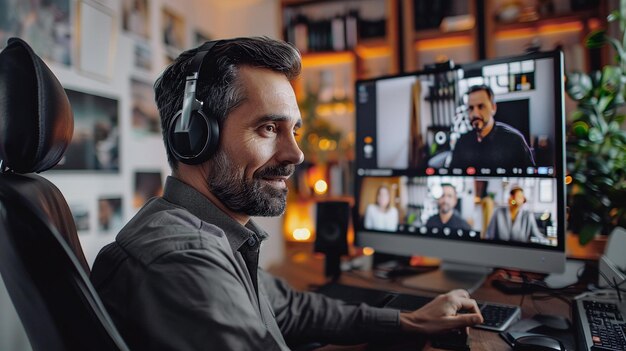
x: 430, y: 34
x: 575, y: 17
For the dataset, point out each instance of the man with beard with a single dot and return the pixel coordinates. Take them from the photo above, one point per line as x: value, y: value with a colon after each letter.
x: 447, y: 216
x: 183, y: 274
x: 494, y: 144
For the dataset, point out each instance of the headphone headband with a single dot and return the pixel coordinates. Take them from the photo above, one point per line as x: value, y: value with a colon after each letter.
x: 190, y: 103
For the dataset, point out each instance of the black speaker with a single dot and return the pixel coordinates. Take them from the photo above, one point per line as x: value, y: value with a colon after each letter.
x: 331, y: 236
x: 193, y: 136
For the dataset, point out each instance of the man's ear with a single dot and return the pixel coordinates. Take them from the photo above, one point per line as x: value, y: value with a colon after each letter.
x: 494, y: 107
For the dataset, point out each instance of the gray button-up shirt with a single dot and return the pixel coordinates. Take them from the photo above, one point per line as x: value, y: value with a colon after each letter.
x: 178, y: 277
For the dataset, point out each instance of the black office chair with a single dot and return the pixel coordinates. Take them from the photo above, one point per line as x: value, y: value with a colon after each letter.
x: 41, y: 260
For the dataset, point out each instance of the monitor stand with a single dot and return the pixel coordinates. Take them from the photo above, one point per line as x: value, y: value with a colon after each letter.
x: 448, y: 277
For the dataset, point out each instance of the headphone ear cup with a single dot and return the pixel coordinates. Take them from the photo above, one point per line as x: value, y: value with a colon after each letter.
x: 197, y: 144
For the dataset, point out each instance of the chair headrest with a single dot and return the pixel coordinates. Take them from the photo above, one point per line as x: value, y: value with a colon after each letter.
x: 36, y: 120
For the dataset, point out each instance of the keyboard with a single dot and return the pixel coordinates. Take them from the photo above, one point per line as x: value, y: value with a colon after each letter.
x: 600, y: 324
x: 497, y: 317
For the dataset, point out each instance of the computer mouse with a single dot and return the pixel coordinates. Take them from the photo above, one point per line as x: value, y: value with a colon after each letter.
x: 552, y: 321
x: 537, y: 343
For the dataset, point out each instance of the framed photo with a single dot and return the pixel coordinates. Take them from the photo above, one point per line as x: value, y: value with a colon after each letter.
x: 136, y: 18
x: 110, y: 217
x: 95, y: 144
x: 143, y: 56
x: 173, y: 31
x: 96, y: 39
x: 147, y: 185
x: 44, y: 25
x: 145, y: 116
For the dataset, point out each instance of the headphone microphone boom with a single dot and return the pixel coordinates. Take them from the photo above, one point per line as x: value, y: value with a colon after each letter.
x: 192, y: 135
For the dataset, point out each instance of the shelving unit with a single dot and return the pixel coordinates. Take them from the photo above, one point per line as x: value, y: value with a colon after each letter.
x: 340, y: 42
x: 456, y: 41
x: 564, y: 28
x: 459, y: 30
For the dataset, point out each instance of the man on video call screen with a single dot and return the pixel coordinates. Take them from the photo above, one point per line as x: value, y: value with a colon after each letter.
x: 491, y: 143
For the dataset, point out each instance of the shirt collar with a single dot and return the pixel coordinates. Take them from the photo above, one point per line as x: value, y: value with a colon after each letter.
x: 183, y: 195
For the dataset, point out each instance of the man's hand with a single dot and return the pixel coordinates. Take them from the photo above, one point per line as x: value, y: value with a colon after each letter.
x: 442, y: 314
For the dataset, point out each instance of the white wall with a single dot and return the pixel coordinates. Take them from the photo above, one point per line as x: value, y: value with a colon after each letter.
x: 218, y: 19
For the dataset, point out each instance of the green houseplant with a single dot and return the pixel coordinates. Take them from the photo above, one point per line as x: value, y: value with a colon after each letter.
x: 596, y: 142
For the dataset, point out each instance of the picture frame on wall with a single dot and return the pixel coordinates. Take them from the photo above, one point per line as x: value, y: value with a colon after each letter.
x: 136, y: 18
x: 44, y: 25
x: 148, y: 184
x: 173, y: 32
x: 144, y: 112
x: 143, y: 56
x: 95, y: 144
x: 96, y: 39
x: 110, y: 214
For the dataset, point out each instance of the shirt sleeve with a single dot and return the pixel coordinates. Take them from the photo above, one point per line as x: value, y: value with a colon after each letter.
x: 194, y: 300
x: 306, y: 316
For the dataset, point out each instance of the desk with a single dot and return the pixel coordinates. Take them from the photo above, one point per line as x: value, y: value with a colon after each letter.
x: 302, y: 270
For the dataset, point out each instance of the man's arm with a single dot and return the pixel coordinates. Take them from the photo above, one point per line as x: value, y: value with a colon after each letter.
x: 305, y: 317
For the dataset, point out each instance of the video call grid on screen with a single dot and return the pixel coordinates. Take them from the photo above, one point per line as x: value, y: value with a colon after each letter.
x: 407, y: 130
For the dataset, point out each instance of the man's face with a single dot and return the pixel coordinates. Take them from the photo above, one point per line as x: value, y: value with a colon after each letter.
x: 480, y: 110
x: 447, y: 201
x: 258, y: 149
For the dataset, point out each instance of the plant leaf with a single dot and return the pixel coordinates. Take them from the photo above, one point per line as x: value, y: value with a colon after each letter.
x: 578, y: 85
x: 588, y: 231
x: 596, y: 39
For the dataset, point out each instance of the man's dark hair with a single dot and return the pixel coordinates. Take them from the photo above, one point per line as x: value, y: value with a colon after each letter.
x: 218, y: 86
x: 481, y: 87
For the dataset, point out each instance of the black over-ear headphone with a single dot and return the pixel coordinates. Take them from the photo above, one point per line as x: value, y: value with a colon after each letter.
x: 192, y: 135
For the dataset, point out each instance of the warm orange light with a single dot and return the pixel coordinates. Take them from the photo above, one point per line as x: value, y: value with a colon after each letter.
x: 546, y: 29
x: 301, y: 234
x: 320, y: 187
x: 561, y: 28
x: 324, y: 144
x: 298, y: 215
x: 368, y: 251
x: 438, y: 44
x: 327, y: 59
x: 594, y: 23
x: 373, y: 52
x: 314, y: 173
x: 568, y: 180
x: 368, y: 139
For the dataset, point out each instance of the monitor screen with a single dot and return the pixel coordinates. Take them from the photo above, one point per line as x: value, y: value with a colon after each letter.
x: 465, y: 163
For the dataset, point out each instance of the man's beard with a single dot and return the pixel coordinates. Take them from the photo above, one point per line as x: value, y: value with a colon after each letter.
x: 251, y: 197
x: 477, y: 123
x: 445, y: 209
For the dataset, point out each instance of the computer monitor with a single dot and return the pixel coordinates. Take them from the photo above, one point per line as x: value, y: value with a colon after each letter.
x: 434, y: 179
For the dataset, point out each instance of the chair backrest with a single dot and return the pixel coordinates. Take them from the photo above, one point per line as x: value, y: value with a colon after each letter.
x: 41, y: 260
